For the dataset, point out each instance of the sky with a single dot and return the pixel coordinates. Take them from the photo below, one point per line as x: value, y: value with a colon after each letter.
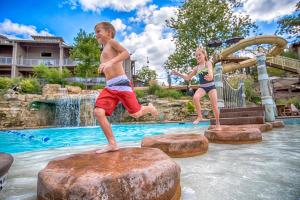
x: 140, y: 24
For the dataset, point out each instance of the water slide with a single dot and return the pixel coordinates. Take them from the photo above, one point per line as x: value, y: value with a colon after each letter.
x: 273, y: 60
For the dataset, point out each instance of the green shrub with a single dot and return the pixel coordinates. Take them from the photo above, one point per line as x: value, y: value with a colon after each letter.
x: 30, y: 85
x: 98, y: 87
x: 52, y: 75
x: 168, y: 93
x: 5, y: 83
x: 190, y: 107
x: 153, y: 88
x: 81, y: 85
x: 140, y: 93
x: 295, y: 101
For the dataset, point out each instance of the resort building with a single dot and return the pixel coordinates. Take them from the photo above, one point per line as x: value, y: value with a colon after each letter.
x: 19, y: 56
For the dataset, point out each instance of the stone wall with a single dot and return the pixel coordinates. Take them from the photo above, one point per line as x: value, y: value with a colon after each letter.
x: 34, y: 111
x: 17, y: 111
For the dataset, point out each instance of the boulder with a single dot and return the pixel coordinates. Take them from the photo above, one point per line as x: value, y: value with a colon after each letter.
x: 178, y: 145
x: 73, y: 89
x: 234, y: 135
x: 277, y: 124
x: 49, y: 89
x: 129, y: 173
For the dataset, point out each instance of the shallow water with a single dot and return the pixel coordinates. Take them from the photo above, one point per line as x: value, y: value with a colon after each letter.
x: 266, y: 170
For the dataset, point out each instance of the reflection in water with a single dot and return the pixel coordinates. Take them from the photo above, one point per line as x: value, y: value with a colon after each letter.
x: 266, y: 170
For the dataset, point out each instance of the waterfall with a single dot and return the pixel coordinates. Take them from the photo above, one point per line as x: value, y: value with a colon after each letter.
x: 78, y: 110
x: 67, y: 111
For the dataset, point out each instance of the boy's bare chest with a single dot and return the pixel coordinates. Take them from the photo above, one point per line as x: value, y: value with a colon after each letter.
x: 107, y: 54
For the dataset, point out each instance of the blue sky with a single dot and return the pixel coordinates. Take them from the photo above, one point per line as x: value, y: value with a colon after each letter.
x: 139, y: 23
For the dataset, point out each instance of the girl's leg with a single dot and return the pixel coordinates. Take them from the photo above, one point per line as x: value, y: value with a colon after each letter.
x: 196, y: 99
x: 105, y: 125
x: 214, y: 101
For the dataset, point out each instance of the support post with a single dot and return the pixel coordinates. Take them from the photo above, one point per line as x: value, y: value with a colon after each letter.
x: 219, y: 84
x: 242, y: 85
x: 263, y: 79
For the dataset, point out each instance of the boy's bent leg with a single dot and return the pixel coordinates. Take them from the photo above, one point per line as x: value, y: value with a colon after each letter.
x: 105, y: 125
x: 145, y: 110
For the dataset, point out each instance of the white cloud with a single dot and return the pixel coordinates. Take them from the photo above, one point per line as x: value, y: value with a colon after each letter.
x: 155, y: 42
x: 268, y: 10
x: 98, y: 5
x: 13, y: 30
x: 118, y: 24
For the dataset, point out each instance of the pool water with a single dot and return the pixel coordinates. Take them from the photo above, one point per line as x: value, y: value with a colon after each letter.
x: 268, y: 170
x: 17, y: 141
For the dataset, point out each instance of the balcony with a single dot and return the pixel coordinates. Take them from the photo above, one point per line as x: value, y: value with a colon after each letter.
x: 69, y: 62
x: 5, y: 60
x: 36, y: 62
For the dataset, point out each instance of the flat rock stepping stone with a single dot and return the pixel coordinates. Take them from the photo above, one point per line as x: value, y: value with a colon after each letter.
x: 178, y: 145
x: 129, y: 173
x: 277, y: 124
x: 234, y: 135
x: 262, y: 127
x: 6, y: 161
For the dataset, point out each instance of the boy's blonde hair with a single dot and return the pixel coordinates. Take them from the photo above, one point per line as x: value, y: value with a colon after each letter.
x: 202, y: 50
x: 107, y: 26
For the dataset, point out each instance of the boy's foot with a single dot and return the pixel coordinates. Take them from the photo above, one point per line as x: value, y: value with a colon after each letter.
x: 197, y: 120
x: 108, y: 148
x: 153, y: 110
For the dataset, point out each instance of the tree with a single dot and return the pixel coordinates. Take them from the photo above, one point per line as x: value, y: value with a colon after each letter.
x: 86, y: 52
x: 145, y: 75
x: 290, y: 25
x: 199, y: 21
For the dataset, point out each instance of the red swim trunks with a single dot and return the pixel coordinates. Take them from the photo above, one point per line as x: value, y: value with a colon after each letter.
x: 118, y: 89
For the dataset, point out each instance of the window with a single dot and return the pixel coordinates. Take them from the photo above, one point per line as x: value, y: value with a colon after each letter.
x: 46, y: 54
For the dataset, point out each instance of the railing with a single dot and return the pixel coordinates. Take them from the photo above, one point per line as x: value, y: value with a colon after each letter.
x: 69, y: 62
x: 285, y: 62
x: 5, y: 60
x: 233, y: 97
x: 87, y: 81
x: 35, y: 62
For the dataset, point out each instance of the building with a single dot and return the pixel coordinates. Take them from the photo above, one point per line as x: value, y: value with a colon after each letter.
x: 19, y: 56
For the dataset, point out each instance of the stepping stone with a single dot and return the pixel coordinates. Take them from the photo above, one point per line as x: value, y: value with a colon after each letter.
x: 6, y: 161
x: 129, y: 173
x: 262, y: 127
x: 178, y: 145
x: 234, y: 135
x: 277, y: 124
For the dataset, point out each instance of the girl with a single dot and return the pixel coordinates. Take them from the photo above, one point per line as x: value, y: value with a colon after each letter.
x: 204, y: 70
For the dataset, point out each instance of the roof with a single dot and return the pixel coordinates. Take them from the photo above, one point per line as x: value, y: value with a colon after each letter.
x: 52, y: 38
x: 40, y: 39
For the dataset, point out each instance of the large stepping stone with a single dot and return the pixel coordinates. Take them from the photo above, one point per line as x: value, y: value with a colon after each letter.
x: 129, y: 173
x: 6, y: 161
x: 234, y: 135
x: 178, y: 145
x: 262, y: 127
x: 278, y: 124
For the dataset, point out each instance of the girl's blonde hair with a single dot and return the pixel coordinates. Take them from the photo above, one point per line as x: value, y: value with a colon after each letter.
x: 202, y: 50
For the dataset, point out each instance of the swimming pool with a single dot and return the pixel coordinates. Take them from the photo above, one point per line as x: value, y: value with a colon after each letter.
x: 268, y: 170
x: 17, y: 141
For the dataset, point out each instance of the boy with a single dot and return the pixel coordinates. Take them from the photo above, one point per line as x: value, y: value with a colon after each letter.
x: 118, y: 87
